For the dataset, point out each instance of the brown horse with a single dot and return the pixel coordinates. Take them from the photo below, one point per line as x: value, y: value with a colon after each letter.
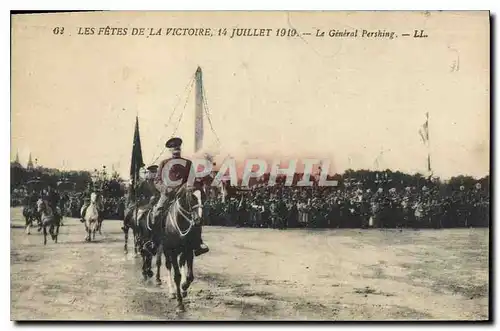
x: 30, y: 214
x: 133, y: 214
x: 146, y: 234
x: 177, y: 237
x: 48, y: 219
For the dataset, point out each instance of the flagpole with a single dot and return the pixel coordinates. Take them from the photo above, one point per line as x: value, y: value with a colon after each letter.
x: 135, y: 193
x: 429, y: 168
x: 137, y: 163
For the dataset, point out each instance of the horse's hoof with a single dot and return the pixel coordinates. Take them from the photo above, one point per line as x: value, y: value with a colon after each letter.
x: 158, y: 282
x: 184, y: 294
x: 180, y: 308
x: 150, y: 274
x: 185, y: 286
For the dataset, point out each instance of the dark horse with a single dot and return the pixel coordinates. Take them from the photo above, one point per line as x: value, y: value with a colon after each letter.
x: 177, y: 238
x: 146, y: 234
x: 50, y: 219
x: 131, y: 212
x: 30, y: 214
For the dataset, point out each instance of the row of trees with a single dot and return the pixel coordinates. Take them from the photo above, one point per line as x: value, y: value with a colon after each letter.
x: 369, y: 179
x: 100, y: 179
x: 20, y: 176
x: 389, y: 179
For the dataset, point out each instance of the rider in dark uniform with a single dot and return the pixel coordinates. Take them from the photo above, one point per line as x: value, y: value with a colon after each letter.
x: 53, y: 200
x: 32, y: 199
x: 144, y: 194
x: 177, y: 172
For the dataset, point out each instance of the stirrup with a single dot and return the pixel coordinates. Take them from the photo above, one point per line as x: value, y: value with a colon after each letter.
x: 201, y: 250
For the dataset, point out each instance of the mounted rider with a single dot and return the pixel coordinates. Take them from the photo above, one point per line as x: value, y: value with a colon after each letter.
x: 86, y: 202
x: 176, y: 172
x: 53, y: 198
x: 32, y: 199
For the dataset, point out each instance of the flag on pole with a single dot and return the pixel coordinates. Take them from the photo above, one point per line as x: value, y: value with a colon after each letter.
x: 424, y: 130
x: 424, y: 134
x: 136, y: 162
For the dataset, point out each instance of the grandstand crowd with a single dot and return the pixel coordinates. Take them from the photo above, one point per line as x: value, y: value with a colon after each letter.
x: 361, y: 199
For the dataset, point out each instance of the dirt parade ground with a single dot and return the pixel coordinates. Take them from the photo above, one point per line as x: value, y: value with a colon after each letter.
x: 257, y: 274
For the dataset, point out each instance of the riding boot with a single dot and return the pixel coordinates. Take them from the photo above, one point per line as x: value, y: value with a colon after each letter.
x: 82, y: 219
x: 159, y: 207
x: 200, y: 248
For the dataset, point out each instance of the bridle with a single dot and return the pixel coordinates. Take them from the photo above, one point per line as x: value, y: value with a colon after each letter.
x: 43, y: 207
x: 177, y: 207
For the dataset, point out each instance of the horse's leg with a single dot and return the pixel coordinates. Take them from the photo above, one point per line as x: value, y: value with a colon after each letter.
x: 51, y: 230
x: 181, y: 260
x: 150, y: 265
x: 168, y: 265
x: 28, y: 225
x: 137, y: 241
x: 146, y: 264
x: 158, y: 264
x: 89, y: 232
x: 188, y: 271
x: 125, y: 231
x: 57, y: 231
x: 177, y: 279
x: 44, y: 235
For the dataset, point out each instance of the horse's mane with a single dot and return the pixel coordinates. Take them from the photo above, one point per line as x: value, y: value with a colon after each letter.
x: 185, y: 189
x: 46, y: 204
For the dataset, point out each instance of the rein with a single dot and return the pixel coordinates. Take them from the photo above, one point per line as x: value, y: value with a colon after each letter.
x: 184, y: 213
x: 46, y: 210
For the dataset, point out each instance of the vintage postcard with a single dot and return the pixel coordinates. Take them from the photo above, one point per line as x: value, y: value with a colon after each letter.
x: 329, y: 166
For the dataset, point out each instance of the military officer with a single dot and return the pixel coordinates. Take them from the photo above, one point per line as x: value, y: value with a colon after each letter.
x: 177, y: 172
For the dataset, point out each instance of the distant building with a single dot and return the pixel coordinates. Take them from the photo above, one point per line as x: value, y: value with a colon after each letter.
x: 30, y: 164
x: 16, y: 162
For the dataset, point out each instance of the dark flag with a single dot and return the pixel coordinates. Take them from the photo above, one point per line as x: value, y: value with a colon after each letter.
x: 137, y: 162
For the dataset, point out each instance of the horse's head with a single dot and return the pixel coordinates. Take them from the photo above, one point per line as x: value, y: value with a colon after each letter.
x: 192, y: 199
x: 93, y: 198
x: 40, y: 205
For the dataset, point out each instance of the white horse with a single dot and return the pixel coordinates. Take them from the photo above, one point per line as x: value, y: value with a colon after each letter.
x: 91, y: 217
x: 48, y: 219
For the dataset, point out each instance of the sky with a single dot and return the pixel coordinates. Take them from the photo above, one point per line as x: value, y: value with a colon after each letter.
x: 350, y: 100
